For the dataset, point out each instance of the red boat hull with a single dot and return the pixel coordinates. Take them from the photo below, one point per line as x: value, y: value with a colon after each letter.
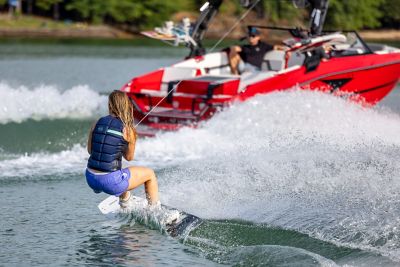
x: 367, y: 79
x: 189, y: 91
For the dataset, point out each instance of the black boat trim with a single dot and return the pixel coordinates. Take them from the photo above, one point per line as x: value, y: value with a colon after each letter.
x: 349, y: 71
x: 375, y: 88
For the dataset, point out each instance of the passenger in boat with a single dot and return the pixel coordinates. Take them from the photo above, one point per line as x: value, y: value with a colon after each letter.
x: 249, y: 57
x: 314, y: 57
x: 111, y: 138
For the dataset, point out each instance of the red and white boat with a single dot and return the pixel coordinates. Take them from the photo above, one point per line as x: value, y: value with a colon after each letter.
x: 193, y: 90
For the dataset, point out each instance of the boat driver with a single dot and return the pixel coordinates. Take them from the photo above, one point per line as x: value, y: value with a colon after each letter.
x: 249, y: 57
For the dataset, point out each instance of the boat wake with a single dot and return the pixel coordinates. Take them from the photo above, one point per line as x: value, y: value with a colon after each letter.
x: 47, y: 102
x: 300, y: 161
x: 41, y: 165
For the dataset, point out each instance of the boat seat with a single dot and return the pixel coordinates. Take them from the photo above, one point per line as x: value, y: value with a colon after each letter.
x: 173, y: 113
x: 161, y: 94
x: 253, y: 77
x: 174, y: 74
x: 273, y: 60
x: 296, y: 59
x: 216, y: 63
x: 210, y: 86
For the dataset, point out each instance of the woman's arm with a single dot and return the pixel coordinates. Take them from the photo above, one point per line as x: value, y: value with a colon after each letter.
x: 130, y: 137
x: 89, y: 142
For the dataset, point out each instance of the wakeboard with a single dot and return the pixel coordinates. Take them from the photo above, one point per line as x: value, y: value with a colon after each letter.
x: 159, y: 36
x: 179, y: 227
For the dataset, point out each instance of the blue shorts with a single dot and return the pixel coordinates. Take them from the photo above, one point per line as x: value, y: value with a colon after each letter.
x: 112, y: 183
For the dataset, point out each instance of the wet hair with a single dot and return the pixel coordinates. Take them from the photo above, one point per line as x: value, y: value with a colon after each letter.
x: 120, y: 106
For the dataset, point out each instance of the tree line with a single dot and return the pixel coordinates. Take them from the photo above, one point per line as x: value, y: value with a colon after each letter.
x: 139, y: 14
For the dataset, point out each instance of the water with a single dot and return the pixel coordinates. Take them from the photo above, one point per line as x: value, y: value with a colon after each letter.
x: 295, y: 178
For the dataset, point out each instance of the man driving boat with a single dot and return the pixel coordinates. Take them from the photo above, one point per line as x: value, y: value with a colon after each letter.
x: 249, y: 57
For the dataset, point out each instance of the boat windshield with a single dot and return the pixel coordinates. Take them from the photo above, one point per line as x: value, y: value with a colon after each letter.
x: 354, y: 45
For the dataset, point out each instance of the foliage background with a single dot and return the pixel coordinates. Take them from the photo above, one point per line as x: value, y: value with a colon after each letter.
x: 138, y: 14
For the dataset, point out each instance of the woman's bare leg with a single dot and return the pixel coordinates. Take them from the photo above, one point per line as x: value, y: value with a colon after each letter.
x: 146, y: 176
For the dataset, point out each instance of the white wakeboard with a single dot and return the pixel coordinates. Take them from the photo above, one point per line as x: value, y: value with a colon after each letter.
x: 159, y: 36
x: 180, y: 226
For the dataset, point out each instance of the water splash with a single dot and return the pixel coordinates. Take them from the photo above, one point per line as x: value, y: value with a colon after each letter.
x: 281, y: 120
x: 43, y: 164
x: 302, y: 160
x: 47, y: 102
x: 298, y: 160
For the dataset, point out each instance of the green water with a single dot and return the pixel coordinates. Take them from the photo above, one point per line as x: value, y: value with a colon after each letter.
x: 276, y: 183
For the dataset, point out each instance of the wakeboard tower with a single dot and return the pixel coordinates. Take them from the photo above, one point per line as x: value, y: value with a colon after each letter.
x: 340, y: 63
x: 174, y: 222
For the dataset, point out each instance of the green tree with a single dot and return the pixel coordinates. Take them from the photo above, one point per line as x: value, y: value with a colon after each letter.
x: 274, y: 11
x: 281, y: 10
x: 354, y: 14
x: 149, y: 12
x: 141, y: 13
x: 91, y: 10
x: 349, y: 14
x: 391, y: 9
x: 48, y: 5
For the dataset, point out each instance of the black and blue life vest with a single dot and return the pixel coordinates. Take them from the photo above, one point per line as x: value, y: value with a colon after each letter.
x: 108, y: 145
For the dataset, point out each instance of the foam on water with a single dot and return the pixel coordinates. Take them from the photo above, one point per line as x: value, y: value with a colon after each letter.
x: 48, y: 102
x: 300, y: 160
x: 42, y: 165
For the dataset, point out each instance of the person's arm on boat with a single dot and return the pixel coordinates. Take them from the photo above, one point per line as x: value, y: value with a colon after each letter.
x: 130, y: 136
x: 234, y: 50
x: 279, y: 47
x: 234, y: 58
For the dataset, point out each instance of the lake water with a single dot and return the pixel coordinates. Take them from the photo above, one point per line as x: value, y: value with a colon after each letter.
x: 285, y: 179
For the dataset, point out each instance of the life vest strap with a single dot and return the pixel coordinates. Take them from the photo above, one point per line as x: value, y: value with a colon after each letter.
x: 114, y: 132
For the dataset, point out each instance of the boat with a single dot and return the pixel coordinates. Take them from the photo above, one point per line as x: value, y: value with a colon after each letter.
x: 340, y: 63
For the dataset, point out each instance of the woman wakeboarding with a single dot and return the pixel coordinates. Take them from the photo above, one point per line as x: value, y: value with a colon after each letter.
x: 111, y: 138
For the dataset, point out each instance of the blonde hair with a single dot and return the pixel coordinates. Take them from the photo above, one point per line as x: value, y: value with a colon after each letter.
x: 120, y: 106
